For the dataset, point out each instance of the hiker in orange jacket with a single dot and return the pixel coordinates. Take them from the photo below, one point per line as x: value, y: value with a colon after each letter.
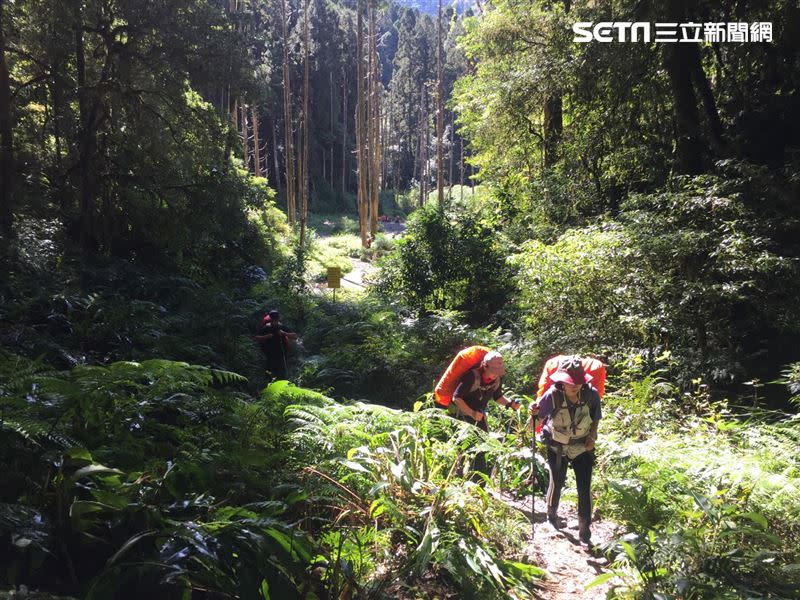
x: 570, y: 410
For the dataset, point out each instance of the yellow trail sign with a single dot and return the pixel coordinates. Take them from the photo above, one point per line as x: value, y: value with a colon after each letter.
x: 334, y: 277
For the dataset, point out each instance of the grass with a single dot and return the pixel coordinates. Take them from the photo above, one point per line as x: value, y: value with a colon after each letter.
x: 710, y: 499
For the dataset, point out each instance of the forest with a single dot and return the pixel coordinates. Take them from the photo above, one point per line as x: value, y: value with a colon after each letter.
x: 172, y: 173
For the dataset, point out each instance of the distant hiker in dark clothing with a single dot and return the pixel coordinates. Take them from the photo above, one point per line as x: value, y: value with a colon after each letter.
x: 471, y: 397
x: 570, y: 411
x: 273, y: 338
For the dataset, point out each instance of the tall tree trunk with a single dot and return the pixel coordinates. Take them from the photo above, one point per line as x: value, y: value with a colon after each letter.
x: 88, y: 140
x: 688, y: 144
x: 57, y: 94
x: 679, y: 60
x: 287, y: 119
x: 374, y: 121
x: 6, y: 137
x: 426, y: 150
x: 306, y: 117
x: 345, y: 153
x: 439, y: 113
x: 706, y: 96
x: 423, y: 119
x: 330, y: 93
x: 553, y: 129
x: 462, y: 168
x: 553, y: 120
x: 256, y: 143
x: 275, y: 164
x: 245, y: 135
x: 450, y: 151
x: 361, y: 106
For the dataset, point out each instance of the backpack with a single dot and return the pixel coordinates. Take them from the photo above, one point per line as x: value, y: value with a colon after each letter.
x: 267, y: 320
x: 466, y: 360
x: 591, y: 366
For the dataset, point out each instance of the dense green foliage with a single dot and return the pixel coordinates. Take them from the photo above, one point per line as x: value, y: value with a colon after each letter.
x: 125, y: 480
x: 448, y: 261
x: 720, y: 523
x: 636, y: 201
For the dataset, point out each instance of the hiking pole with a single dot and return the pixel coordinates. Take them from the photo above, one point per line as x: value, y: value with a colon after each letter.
x: 533, y: 476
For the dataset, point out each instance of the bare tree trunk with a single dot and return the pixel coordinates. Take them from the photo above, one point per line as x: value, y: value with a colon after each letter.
x: 462, y: 169
x: 287, y: 116
x: 450, y: 151
x: 423, y: 149
x: 306, y: 118
x: 6, y: 138
x: 439, y: 113
x: 553, y: 129
x: 374, y: 120
x: 689, y: 144
x: 426, y: 150
x: 421, y: 138
x: 330, y: 88
x: 88, y: 140
x: 256, y: 143
x: 245, y: 135
x: 276, y: 164
x: 706, y: 96
x: 363, y: 163
x: 345, y: 153
x: 679, y: 61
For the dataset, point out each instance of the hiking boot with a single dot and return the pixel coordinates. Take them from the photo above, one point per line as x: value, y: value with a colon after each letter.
x: 552, y: 520
x: 584, y: 533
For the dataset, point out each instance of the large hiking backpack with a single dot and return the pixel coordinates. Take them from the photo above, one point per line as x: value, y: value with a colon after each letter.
x: 267, y: 320
x: 591, y: 366
x: 467, y: 359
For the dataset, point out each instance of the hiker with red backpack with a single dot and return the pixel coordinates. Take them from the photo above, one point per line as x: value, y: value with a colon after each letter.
x: 569, y: 409
x: 273, y: 338
x: 473, y: 378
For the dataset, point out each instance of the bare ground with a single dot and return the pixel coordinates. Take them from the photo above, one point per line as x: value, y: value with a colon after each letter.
x: 570, y: 566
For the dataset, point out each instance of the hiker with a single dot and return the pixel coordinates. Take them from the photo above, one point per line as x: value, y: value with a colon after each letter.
x: 273, y: 337
x: 473, y: 391
x: 570, y: 412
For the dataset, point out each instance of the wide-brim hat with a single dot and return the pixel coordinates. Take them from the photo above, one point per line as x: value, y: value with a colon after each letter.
x: 571, y: 377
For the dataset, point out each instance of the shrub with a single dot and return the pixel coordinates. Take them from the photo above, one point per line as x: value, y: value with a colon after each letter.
x: 448, y: 262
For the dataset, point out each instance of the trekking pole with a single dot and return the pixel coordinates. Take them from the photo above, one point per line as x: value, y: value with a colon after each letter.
x: 533, y: 476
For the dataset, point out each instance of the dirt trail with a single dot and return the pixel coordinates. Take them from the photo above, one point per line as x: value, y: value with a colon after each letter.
x: 569, y: 566
x: 354, y: 280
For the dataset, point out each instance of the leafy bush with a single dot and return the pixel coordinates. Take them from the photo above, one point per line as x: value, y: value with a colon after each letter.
x: 711, y: 501
x: 691, y: 269
x: 368, y: 349
x: 447, y: 262
x: 144, y: 477
x: 399, y: 475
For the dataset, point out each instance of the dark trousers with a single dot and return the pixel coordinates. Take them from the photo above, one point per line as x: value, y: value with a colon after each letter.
x: 582, y: 465
x: 275, y: 365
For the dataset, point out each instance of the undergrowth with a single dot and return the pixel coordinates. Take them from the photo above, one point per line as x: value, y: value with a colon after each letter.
x: 710, y: 498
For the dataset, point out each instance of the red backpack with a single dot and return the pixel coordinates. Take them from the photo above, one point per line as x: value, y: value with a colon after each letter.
x: 266, y: 321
